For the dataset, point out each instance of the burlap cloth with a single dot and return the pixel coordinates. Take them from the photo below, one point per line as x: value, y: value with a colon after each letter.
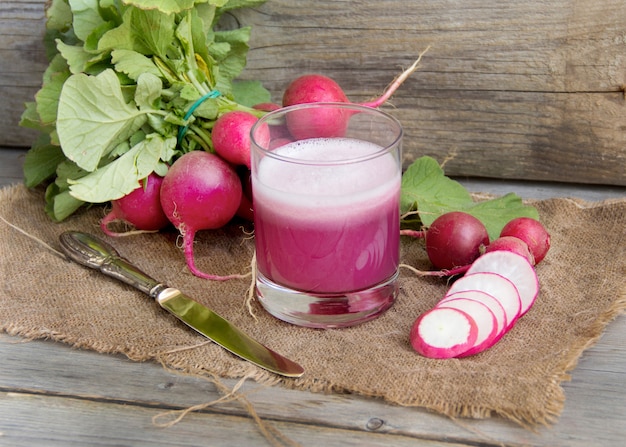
x: 582, y: 290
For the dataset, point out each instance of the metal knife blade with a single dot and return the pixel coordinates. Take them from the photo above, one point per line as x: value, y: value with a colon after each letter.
x: 95, y: 253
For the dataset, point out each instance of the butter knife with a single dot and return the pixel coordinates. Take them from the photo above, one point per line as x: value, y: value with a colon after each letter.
x: 95, y: 253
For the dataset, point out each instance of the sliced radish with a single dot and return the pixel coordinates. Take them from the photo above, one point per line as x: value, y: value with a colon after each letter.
x: 443, y: 333
x: 513, y: 267
x: 492, y: 303
x: 495, y: 285
x: 486, y: 324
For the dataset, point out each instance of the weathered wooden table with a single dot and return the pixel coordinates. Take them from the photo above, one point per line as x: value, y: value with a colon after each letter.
x: 53, y: 395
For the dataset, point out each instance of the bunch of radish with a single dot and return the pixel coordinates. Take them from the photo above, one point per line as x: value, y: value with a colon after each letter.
x: 205, y: 190
x: 497, y: 288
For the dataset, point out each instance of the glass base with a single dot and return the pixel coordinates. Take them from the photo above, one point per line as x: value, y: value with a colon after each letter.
x: 326, y: 311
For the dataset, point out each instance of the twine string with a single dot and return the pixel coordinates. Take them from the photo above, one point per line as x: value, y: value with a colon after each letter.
x: 183, y: 130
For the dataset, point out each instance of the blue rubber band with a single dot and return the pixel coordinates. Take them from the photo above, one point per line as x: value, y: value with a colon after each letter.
x: 183, y: 130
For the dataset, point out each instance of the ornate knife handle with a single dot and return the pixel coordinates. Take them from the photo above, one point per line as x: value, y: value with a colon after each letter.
x: 95, y: 253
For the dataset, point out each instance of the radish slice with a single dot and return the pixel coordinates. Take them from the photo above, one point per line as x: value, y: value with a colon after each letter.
x: 492, y: 303
x: 513, y: 267
x: 443, y: 333
x: 485, y: 320
x: 495, y: 285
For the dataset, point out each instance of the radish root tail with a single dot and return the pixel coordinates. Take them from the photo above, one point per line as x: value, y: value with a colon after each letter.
x: 395, y: 84
x: 188, y: 241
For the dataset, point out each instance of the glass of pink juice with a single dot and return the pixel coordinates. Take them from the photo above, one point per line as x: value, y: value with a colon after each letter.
x: 326, y: 194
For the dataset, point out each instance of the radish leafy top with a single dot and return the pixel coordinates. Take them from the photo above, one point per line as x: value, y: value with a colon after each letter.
x: 121, y: 78
x: 427, y: 193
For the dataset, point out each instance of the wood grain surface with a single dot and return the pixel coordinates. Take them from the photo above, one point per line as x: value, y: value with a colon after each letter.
x: 523, y: 90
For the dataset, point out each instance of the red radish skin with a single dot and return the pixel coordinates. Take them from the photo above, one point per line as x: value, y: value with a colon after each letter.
x: 486, y: 323
x: 455, y: 239
x: 495, y: 285
x: 443, y: 333
x: 327, y: 122
x: 246, y: 209
x: 280, y: 142
x: 513, y: 244
x: 141, y: 208
x: 315, y: 88
x: 266, y: 106
x: 532, y: 232
x: 516, y: 269
x: 200, y: 192
x: 492, y: 303
x: 231, y: 136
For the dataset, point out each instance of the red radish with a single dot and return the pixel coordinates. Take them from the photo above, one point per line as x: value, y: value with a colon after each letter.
x: 492, y: 303
x: 311, y: 88
x: 314, y: 88
x: 455, y: 239
x: 245, y: 210
x: 516, y: 269
x: 141, y: 208
x: 495, y: 285
x: 200, y: 192
x: 486, y: 323
x: 280, y: 142
x: 231, y: 136
x: 513, y: 244
x: 532, y: 232
x: 266, y: 106
x: 320, y: 122
x: 443, y: 333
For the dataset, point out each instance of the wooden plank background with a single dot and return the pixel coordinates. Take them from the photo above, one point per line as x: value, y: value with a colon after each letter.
x: 519, y: 90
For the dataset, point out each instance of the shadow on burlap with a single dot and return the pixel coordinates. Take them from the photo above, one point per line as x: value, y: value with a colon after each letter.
x: 582, y: 290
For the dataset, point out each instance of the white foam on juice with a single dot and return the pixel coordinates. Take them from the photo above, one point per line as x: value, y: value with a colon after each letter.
x: 302, y: 183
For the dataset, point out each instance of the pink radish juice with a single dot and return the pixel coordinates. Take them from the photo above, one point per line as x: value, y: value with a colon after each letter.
x: 331, y: 226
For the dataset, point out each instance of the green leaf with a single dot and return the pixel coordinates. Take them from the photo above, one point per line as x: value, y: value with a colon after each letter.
x: 75, y: 55
x: 146, y: 32
x: 60, y: 204
x: 249, y: 93
x: 497, y: 212
x: 236, y: 4
x: 47, y: 98
x: 30, y: 118
x: 425, y: 188
x: 58, y: 15
x: 41, y: 161
x: 166, y: 6
x: 148, y: 90
x: 86, y: 17
x: 133, y: 63
x: 93, y: 117
x: 232, y: 64
x: 152, y: 30
x: 120, y: 177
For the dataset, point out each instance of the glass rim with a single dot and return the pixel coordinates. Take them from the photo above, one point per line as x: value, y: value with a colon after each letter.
x: 316, y: 105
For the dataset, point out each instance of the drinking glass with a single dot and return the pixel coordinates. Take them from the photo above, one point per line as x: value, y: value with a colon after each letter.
x: 326, y: 192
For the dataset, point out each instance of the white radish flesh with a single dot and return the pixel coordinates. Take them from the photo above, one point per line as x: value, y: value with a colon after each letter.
x: 485, y: 320
x: 492, y: 303
x: 495, y: 285
x: 443, y: 333
x: 513, y: 267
